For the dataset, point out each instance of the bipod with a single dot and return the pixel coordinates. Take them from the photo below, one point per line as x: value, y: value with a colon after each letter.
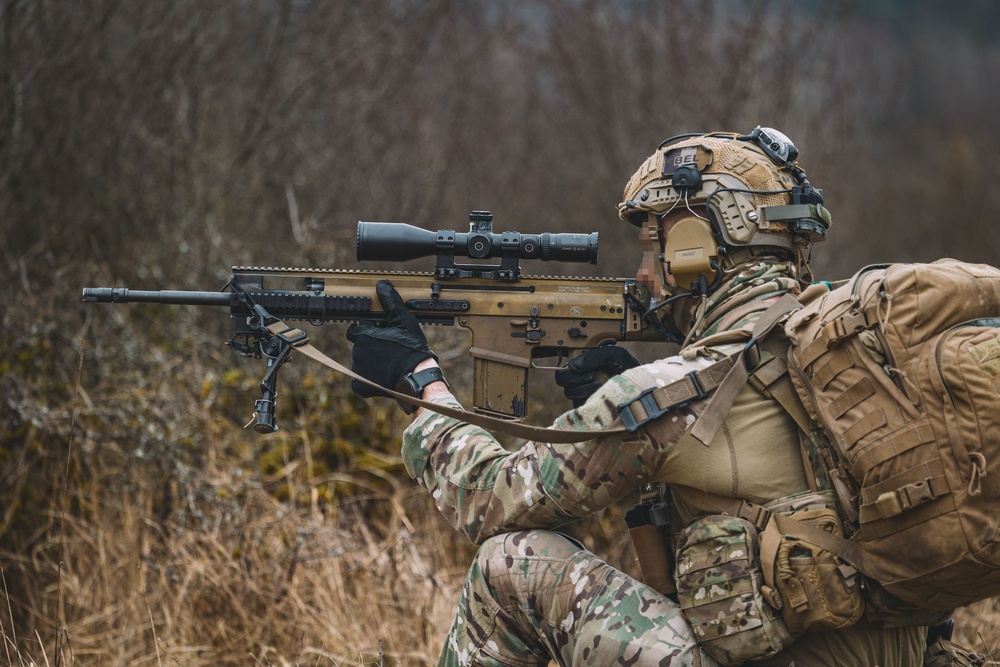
x: 258, y: 341
x: 275, y: 349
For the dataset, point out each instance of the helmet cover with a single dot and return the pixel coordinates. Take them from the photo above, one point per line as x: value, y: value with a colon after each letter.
x: 746, y: 195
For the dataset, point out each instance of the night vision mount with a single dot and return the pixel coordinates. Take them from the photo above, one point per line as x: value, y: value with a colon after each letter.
x: 780, y: 149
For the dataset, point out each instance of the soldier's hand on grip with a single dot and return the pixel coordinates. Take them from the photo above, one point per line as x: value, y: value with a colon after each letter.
x: 384, y: 354
x: 586, y: 373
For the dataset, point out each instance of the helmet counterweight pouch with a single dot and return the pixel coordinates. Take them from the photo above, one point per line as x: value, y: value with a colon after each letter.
x: 689, y: 250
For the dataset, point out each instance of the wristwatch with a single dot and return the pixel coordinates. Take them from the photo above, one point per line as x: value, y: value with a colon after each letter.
x: 413, y: 384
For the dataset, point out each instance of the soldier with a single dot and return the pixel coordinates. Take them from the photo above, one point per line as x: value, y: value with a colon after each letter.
x: 727, y: 222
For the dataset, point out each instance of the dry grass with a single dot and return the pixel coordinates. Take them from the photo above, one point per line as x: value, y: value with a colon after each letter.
x: 146, y: 561
x: 978, y: 627
x: 266, y: 585
x: 253, y: 582
x: 240, y: 578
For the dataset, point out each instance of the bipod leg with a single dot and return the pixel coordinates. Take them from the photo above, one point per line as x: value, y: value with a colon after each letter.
x: 276, y: 350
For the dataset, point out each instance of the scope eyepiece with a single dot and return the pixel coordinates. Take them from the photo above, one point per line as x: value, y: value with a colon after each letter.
x: 400, y: 242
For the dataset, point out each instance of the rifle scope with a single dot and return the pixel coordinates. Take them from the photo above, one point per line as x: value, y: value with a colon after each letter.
x: 396, y: 242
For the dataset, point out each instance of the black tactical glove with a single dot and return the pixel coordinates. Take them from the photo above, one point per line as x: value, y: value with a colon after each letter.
x: 586, y: 373
x: 385, y: 354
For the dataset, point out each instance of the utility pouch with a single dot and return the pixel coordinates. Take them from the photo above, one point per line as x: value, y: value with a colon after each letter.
x: 818, y: 591
x: 721, y: 592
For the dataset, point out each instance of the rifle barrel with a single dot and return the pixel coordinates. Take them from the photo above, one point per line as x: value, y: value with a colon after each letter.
x: 173, y: 297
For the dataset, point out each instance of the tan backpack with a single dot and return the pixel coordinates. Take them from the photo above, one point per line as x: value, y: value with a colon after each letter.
x: 901, y: 367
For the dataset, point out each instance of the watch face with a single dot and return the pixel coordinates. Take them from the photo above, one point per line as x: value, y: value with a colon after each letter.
x: 406, y: 386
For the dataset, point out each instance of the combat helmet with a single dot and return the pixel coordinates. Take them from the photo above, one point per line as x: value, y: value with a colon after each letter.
x: 745, y: 195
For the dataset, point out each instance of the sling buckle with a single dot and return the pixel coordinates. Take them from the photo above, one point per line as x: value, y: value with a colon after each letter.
x: 647, y: 403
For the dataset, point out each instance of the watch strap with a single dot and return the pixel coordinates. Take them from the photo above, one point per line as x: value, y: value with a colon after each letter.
x: 415, y: 383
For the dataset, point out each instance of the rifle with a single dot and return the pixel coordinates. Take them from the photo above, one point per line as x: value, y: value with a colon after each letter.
x: 516, y: 320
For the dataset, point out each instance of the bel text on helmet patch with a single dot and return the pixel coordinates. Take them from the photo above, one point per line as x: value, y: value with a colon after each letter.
x: 693, y: 156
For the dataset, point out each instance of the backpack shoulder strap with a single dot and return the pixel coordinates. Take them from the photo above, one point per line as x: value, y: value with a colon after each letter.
x: 655, y: 402
x: 772, y: 380
x: 732, y: 372
x: 718, y: 409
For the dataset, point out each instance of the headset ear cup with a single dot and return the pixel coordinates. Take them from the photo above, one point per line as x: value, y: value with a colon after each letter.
x: 691, y: 250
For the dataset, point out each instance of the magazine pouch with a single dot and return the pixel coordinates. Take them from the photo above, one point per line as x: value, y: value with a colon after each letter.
x: 721, y: 591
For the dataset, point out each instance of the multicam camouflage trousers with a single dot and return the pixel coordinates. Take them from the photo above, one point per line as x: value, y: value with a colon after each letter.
x: 535, y: 596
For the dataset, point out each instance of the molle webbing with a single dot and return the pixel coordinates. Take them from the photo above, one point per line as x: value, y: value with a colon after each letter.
x: 761, y: 517
x: 894, y: 365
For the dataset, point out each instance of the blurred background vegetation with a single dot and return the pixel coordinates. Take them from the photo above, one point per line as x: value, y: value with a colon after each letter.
x: 156, y: 144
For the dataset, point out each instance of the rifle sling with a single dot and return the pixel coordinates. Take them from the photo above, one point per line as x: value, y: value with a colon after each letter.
x: 726, y: 378
x: 300, y: 343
